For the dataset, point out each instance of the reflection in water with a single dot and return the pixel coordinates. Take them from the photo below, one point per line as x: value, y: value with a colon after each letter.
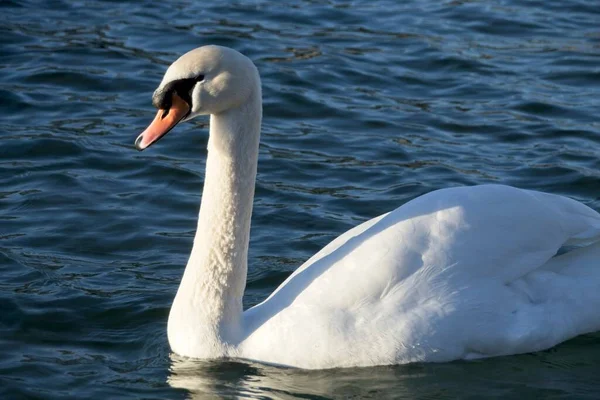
x: 550, y: 372
x: 251, y: 380
x: 367, y: 105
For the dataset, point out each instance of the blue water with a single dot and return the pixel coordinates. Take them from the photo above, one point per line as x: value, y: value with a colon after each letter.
x: 366, y: 106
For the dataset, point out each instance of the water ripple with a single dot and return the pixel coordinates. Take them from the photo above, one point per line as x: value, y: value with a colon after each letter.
x: 366, y: 106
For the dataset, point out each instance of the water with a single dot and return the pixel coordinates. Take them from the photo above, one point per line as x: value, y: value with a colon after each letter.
x: 367, y: 105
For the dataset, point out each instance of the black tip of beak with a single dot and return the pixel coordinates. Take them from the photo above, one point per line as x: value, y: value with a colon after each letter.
x: 137, y: 143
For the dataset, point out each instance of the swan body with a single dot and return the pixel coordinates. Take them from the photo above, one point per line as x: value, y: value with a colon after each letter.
x: 458, y: 273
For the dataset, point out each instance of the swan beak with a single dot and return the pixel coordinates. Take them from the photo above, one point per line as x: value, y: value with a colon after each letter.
x: 164, y: 121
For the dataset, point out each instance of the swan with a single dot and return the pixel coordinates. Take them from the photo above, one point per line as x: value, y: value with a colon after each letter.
x: 458, y: 273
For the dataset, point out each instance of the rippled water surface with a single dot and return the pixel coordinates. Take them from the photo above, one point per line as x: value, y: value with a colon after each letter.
x: 367, y: 105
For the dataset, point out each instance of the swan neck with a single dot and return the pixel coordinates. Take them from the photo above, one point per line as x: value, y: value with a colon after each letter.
x: 208, y: 305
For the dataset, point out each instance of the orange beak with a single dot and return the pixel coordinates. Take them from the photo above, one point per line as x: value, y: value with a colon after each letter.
x: 164, y: 121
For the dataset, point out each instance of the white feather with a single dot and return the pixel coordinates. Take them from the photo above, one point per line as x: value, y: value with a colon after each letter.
x: 458, y: 273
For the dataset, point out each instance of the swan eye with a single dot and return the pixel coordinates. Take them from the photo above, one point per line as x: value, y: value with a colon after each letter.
x: 183, y: 88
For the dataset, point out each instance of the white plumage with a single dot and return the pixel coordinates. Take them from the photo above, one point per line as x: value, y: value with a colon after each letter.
x: 458, y: 273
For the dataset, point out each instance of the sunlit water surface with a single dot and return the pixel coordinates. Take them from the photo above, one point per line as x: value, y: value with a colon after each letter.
x: 366, y: 106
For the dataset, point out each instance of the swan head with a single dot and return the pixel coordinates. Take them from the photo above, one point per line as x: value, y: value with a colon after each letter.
x: 206, y: 80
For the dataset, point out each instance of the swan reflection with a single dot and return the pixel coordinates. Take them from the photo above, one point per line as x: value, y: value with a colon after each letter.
x: 504, y: 377
x: 239, y: 379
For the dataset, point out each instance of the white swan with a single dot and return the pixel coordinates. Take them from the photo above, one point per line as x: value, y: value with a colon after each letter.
x: 458, y: 273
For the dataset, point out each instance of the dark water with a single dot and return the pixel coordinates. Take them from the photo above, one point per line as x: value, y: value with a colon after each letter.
x: 367, y: 105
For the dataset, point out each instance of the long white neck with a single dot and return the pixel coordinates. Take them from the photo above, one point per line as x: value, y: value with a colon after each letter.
x: 206, y: 315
